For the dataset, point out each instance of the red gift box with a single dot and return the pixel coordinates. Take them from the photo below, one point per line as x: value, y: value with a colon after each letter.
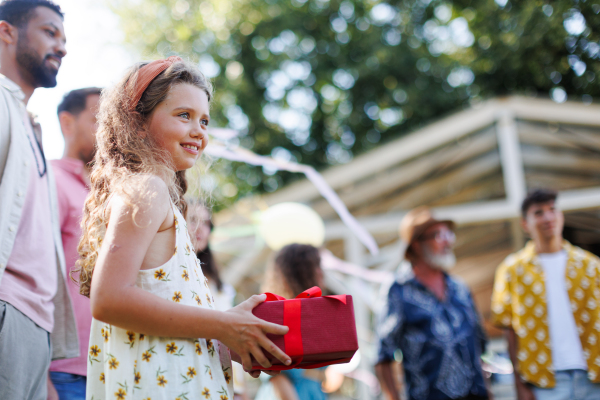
x: 322, y: 329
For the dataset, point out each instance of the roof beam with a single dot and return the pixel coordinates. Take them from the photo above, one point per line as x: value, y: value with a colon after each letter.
x: 469, y: 213
x: 536, y: 109
x: 422, y: 141
x: 392, y: 180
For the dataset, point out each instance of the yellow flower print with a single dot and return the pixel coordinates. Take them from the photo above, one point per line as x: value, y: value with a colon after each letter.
x: 102, y: 378
x: 113, y: 363
x: 210, y: 347
x: 131, y: 336
x: 185, y: 275
x: 187, y: 249
x: 208, y: 371
x: 191, y: 372
x: 171, y: 348
x: 227, y: 377
x: 208, y: 299
x: 176, y: 297
x: 105, y: 334
x: 120, y: 394
x: 198, y: 300
x: 224, y: 397
x: 206, y: 393
x: 198, y: 349
x: 161, y: 275
x: 94, y: 351
x: 161, y: 381
x: 142, y: 336
x: 137, y: 376
x: 146, y: 356
x: 175, y: 250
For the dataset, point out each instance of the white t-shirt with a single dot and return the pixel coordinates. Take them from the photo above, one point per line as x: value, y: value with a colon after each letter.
x: 564, y: 338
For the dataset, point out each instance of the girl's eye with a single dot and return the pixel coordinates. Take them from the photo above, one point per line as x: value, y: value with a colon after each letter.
x: 204, y: 122
x: 50, y: 33
x: 185, y: 115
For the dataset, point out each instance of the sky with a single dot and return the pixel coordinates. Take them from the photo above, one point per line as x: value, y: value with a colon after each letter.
x: 95, y: 56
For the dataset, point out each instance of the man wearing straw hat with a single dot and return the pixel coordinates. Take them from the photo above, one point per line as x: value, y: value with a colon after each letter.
x: 430, y: 319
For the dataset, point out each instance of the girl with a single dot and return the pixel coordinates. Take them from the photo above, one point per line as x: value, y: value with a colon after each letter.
x: 200, y: 228
x: 155, y: 332
x: 297, y: 267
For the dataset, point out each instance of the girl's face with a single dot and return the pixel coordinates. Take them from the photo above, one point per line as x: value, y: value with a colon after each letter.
x: 180, y: 123
x: 199, y: 226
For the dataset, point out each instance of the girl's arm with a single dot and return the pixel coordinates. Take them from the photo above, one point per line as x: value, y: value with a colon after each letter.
x: 117, y: 301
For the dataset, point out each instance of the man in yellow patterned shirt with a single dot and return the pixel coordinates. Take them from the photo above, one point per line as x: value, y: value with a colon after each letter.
x: 547, y: 298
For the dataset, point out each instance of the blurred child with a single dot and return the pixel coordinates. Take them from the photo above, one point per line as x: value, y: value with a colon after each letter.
x: 155, y: 332
x: 297, y: 267
x: 200, y: 227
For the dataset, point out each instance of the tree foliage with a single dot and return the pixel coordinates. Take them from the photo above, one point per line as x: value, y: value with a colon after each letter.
x: 320, y: 81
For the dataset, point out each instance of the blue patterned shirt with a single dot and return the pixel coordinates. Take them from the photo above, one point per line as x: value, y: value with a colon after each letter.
x: 441, y: 341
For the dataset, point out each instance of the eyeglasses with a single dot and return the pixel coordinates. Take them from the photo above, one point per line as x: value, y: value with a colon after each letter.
x: 440, y: 236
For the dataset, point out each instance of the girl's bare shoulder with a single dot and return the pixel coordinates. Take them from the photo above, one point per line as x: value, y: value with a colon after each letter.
x: 146, y: 198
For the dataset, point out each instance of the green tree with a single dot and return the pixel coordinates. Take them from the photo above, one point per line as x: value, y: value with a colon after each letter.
x: 320, y: 81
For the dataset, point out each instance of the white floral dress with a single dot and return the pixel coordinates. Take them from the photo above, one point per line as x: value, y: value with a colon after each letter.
x: 126, y: 365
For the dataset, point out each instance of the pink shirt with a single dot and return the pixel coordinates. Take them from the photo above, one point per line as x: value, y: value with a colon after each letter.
x: 71, y: 191
x: 30, y: 280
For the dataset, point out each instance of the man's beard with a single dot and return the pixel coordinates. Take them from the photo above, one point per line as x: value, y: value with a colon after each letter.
x: 443, y: 261
x: 38, y: 74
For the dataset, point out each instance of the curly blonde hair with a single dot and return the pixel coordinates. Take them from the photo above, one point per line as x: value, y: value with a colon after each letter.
x: 127, y: 156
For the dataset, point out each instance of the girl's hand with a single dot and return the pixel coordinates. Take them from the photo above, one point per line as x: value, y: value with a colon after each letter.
x: 246, y: 334
x: 254, y: 373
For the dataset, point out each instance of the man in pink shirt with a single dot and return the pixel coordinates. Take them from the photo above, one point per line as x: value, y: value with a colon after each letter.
x: 77, y: 116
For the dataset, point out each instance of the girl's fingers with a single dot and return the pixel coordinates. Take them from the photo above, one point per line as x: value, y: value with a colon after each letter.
x: 255, y: 300
x: 269, y: 327
x: 275, y: 351
x: 254, y: 374
x: 260, y: 357
x: 246, y: 362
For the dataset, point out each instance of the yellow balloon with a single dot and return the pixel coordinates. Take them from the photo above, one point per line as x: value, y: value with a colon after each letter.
x: 287, y: 223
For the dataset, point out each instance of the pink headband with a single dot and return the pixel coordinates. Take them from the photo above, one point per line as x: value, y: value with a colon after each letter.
x: 146, y: 75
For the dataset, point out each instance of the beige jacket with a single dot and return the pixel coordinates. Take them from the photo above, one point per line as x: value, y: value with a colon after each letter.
x: 14, y: 178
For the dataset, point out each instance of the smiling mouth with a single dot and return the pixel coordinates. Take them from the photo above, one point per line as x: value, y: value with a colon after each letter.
x: 54, y: 62
x: 189, y: 146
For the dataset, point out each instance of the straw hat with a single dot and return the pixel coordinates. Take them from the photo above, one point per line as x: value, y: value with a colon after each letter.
x: 415, y: 222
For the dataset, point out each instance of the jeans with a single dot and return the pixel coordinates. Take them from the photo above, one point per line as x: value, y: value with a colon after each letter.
x: 570, y: 385
x: 68, y: 386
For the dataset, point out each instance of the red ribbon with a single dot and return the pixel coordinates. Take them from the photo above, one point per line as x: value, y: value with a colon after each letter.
x: 292, y: 318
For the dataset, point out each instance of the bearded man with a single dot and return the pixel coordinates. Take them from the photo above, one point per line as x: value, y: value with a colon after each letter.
x: 36, y: 316
x: 431, y: 318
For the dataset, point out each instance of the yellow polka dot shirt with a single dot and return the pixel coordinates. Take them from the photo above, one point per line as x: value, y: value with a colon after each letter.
x: 519, y: 303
